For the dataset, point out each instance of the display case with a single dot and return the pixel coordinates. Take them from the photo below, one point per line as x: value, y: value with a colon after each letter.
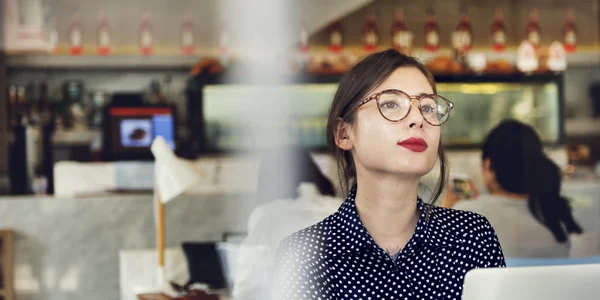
x: 239, y: 117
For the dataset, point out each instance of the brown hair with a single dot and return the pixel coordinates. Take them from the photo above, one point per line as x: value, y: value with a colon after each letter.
x: 355, y: 85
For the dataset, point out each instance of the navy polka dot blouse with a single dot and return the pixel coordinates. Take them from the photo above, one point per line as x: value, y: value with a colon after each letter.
x: 338, y: 259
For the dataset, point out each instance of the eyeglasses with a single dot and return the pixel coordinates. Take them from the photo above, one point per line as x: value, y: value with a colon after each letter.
x: 395, y: 105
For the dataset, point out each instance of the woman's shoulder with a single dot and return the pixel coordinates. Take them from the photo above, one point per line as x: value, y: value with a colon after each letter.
x: 463, y: 223
x: 308, y: 241
x: 468, y: 233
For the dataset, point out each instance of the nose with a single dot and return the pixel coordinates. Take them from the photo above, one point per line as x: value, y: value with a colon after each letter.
x: 415, y: 118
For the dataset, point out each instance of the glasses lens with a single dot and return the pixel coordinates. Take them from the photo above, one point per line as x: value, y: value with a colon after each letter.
x: 394, y: 105
x: 435, y: 109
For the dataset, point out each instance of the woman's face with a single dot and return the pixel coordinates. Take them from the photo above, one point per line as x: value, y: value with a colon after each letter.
x: 381, y: 146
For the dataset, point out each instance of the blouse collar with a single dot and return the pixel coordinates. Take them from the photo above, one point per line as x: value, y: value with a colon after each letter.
x: 347, y: 234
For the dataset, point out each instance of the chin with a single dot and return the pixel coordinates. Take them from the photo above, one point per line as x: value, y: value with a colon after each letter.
x: 412, y: 169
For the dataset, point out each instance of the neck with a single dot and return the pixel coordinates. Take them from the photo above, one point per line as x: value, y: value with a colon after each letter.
x: 387, y: 206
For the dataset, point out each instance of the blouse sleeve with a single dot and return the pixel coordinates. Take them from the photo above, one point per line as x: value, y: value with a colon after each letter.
x: 293, y: 278
x: 491, y: 255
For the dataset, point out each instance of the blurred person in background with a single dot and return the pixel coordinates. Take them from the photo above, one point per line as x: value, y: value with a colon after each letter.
x: 385, y: 242
x: 290, y: 184
x: 524, y: 204
x: 296, y: 194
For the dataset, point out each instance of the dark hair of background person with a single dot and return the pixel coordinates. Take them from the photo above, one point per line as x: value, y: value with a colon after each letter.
x: 283, y: 169
x: 357, y: 84
x: 521, y: 167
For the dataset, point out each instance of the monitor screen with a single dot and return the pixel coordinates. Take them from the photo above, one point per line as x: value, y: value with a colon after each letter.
x: 132, y: 129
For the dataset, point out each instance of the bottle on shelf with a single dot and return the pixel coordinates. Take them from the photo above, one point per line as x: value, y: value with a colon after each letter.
x: 370, y: 34
x: 498, y: 32
x: 462, y: 37
x: 224, y: 42
x: 432, y: 32
x: 75, y: 36
x: 402, y: 38
x: 533, y: 29
x: 13, y: 106
x: 18, y: 168
x: 146, y: 34
x: 557, y: 57
x: 157, y: 94
x: 570, y: 32
x: 303, y: 38
x: 336, y: 37
x: 103, y: 34
x: 22, y: 104
x: 47, y: 157
x: 527, y: 60
x: 44, y: 103
x: 31, y: 104
x: 187, y: 35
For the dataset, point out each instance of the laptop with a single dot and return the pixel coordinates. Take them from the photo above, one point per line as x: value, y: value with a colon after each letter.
x: 204, y: 264
x: 581, y: 282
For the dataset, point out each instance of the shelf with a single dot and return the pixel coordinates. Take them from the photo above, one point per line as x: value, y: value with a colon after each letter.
x: 585, y: 57
x: 582, y: 58
x: 75, y: 137
x: 582, y: 127
x: 101, y: 62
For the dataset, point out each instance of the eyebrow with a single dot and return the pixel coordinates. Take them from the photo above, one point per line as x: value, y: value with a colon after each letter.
x: 425, y: 94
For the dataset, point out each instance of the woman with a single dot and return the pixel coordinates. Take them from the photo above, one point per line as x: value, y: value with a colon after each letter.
x: 297, y: 195
x: 524, y: 203
x: 293, y: 189
x: 385, y: 242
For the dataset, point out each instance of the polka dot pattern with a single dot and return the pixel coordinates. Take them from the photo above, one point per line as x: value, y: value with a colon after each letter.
x: 338, y: 259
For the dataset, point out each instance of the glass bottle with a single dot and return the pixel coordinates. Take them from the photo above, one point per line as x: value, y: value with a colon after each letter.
x: 146, y: 36
x: 432, y: 32
x: 75, y: 36
x: 533, y: 29
x: 187, y: 35
x: 498, y: 32
x: 401, y: 37
x: 370, y: 34
x: 103, y: 34
x: 570, y: 32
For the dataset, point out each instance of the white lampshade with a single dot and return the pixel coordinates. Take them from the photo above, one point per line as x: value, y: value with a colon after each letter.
x: 173, y: 175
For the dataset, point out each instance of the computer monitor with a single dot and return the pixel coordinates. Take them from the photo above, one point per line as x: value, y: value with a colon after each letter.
x: 129, y: 131
x: 534, y: 283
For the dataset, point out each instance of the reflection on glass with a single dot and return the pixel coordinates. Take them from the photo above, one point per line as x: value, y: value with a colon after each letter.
x: 254, y: 117
x: 246, y: 117
x: 480, y: 107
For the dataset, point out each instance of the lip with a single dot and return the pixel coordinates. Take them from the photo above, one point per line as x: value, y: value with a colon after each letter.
x: 414, y: 144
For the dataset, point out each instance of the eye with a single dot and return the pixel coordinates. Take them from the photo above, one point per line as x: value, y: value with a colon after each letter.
x: 428, y: 109
x: 389, y: 105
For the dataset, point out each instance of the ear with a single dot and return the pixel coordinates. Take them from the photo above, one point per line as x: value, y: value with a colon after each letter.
x: 487, y: 165
x: 343, y: 135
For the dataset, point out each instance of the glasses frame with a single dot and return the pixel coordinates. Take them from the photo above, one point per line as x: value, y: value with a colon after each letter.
x: 420, y: 97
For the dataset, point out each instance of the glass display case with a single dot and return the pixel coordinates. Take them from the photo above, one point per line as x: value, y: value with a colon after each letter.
x: 248, y: 117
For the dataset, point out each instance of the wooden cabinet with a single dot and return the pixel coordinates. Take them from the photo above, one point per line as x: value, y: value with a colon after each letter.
x: 6, y: 264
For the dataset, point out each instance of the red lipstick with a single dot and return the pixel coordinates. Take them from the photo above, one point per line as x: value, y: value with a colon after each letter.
x: 414, y: 144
